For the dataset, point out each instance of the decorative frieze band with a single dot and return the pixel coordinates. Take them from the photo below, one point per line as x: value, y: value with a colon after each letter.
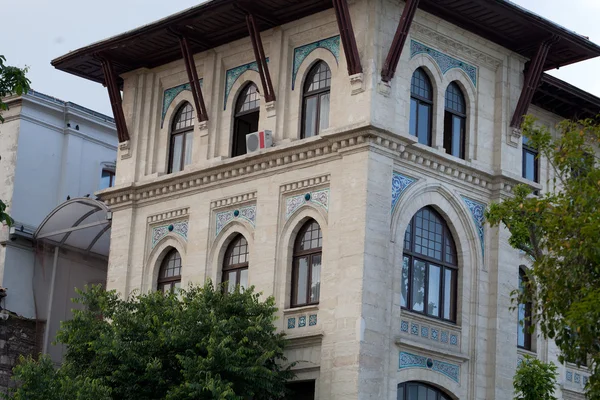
x: 300, y: 53
x: 409, y: 360
x: 444, y: 61
x: 319, y: 198
x: 247, y: 213
x: 399, y: 184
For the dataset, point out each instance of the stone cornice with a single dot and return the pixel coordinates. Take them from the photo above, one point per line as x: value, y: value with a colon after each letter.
x: 325, y: 148
x: 169, y: 215
x: 233, y: 200
x: 305, y: 184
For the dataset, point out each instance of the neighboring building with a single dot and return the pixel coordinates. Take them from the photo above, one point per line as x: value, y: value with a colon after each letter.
x: 364, y: 219
x: 51, y: 150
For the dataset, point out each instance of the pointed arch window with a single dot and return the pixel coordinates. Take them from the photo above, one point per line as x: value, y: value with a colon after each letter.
x: 455, y: 118
x: 182, y: 134
x: 247, y: 113
x: 235, y: 264
x: 420, y: 391
x: 524, y: 310
x: 429, y: 267
x: 316, y: 99
x: 169, y: 275
x: 421, y: 106
x: 306, y: 268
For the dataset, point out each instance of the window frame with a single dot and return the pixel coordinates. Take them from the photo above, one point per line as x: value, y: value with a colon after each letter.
x: 162, y: 282
x: 111, y: 174
x: 174, y: 133
x: 449, y: 113
x: 442, y: 264
x: 318, y: 94
x: 310, y: 254
x: 527, y: 336
x: 422, y: 100
x: 536, y: 164
x: 227, y: 268
x: 404, y: 386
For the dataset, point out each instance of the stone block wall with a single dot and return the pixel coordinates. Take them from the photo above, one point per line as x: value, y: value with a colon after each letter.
x: 18, y: 337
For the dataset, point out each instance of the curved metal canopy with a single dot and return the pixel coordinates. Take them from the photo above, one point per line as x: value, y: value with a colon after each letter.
x: 80, y: 223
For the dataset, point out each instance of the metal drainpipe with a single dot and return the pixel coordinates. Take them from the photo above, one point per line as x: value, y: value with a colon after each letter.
x: 50, y: 297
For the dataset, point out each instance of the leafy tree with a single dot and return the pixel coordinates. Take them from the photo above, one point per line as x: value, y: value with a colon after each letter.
x: 199, y: 344
x: 12, y: 81
x: 535, y: 380
x: 560, y: 231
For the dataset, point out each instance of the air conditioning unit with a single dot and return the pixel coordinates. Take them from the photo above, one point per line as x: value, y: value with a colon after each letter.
x: 258, y: 140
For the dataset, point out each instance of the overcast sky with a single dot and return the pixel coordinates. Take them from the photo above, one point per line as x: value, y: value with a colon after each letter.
x: 37, y: 31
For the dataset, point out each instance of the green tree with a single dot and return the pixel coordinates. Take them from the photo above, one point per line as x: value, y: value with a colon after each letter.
x: 199, y: 344
x: 12, y: 81
x: 560, y: 231
x: 534, y: 380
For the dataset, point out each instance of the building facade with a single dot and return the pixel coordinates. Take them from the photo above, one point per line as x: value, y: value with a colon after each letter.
x: 364, y: 219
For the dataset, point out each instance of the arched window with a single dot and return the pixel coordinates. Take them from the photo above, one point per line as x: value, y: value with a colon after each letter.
x: 524, y: 325
x: 182, y: 134
x: 455, y: 121
x: 420, y: 391
x: 169, y: 276
x: 247, y: 113
x: 429, y: 267
x: 421, y: 106
x: 306, y: 269
x: 235, y: 264
x: 315, y: 109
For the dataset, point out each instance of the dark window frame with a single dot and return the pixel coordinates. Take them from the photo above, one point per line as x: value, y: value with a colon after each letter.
x: 318, y: 94
x: 180, y: 132
x: 111, y: 174
x: 527, y: 336
x: 238, y: 267
x: 443, y: 264
x: 403, y: 389
x: 536, y: 164
x: 423, y: 100
x: 449, y: 113
x: 310, y: 254
x: 162, y: 281
x: 241, y: 100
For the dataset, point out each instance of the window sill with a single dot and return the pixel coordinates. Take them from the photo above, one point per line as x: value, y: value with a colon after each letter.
x: 296, y: 310
x: 429, y: 320
x: 524, y: 352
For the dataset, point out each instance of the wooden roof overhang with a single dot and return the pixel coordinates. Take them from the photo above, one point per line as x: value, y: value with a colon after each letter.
x: 565, y: 100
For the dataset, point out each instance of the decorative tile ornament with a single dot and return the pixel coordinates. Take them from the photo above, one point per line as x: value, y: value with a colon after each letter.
x: 170, y: 94
x: 302, y: 321
x: 424, y: 331
x: 444, y: 337
x: 404, y: 326
x: 319, y: 197
x: 399, y: 184
x: 247, y: 213
x: 569, y: 376
x: 577, y: 378
x: 444, y: 61
x: 300, y: 53
x: 454, y: 340
x: 434, y: 334
x: 585, y: 380
x: 159, y: 232
x: 233, y: 74
x: 312, y: 320
x: 414, y: 329
x: 408, y: 360
x: 477, y: 210
x: 291, y: 323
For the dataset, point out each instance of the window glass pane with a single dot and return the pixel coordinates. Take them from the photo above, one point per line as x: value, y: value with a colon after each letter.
x: 521, y: 326
x: 423, y: 123
x: 302, y: 284
x: 177, y: 153
x: 457, y: 135
x: 431, y: 394
x: 420, y: 85
x: 413, y: 117
x: 310, y: 116
x: 244, y: 278
x: 231, y: 281
x: 400, y: 393
x: 529, y: 165
x: 422, y: 393
x: 176, y: 287
x: 324, y: 112
x: 413, y: 392
x: 433, y: 294
x: 312, y: 238
x: 189, y: 137
x: 449, y: 294
x: 185, y: 117
x: 249, y: 99
x: 428, y: 234
x: 105, y: 181
x: 166, y: 288
x: 404, y: 283
x: 418, y: 285
x: 315, y: 284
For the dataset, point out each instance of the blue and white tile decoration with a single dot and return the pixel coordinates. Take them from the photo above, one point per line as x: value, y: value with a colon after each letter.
x: 577, y: 378
x: 434, y: 334
x: 302, y: 321
x: 424, y: 331
x: 444, y: 337
x: 399, y: 184
x: 585, y: 380
x: 444, y: 61
x: 569, y: 376
x: 404, y: 326
x: 319, y: 197
x: 408, y: 360
x: 300, y: 53
x: 170, y: 94
x: 454, y: 340
x: 312, y: 320
x: 233, y: 74
x: 247, y: 213
x: 291, y: 323
x: 414, y: 329
x: 477, y: 210
x: 179, y: 227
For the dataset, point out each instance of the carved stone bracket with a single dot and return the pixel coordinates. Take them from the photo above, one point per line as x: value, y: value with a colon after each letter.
x: 357, y: 83
x: 514, y: 137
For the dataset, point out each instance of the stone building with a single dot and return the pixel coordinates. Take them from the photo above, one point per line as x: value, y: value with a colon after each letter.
x: 385, y: 128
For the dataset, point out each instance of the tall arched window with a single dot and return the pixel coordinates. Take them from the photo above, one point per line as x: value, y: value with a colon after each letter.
x: 429, y: 267
x: 420, y: 391
x: 455, y: 121
x: 524, y: 325
x: 315, y: 109
x: 235, y: 264
x: 421, y: 106
x: 247, y: 113
x: 306, y: 269
x: 182, y: 134
x: 169, y: 275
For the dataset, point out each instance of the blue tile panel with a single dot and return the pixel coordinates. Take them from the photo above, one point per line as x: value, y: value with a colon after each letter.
x: 404, y: 326
x: 319, y: 198
x: 477, y: 210
x: 300, y: 53
x: 170, y: 94
x: 179, y: 227
x: 302, y: 321
x: 399, y: 184
x: 444, y: 61
x: 233, y: 74
x: 424, y: 331
x: 408, y: 360
x: 291, y: 323
x: 414, y: 329
x: 312, y: 320
x: 247, y: 213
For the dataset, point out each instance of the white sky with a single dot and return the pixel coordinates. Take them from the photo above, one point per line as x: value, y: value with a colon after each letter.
x: 41, y: 30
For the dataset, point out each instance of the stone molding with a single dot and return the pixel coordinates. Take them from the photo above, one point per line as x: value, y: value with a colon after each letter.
x: 169, y: 215
x: 305, y: 183
x: 233, y: 200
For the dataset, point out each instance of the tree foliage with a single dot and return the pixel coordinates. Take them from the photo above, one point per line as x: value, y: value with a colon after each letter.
x: 560, y: 231
x: 534, y: 380
x: 199, y: 344
x: 12, y: 81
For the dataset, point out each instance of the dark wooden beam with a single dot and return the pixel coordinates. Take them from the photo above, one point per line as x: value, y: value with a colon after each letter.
x: 262, y: 15
x: 261, y: 60
x: 342, y: 15
x: 391, y: 62
x: 190, y: 67
x: 110, y: 80
x: 532, y: 81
